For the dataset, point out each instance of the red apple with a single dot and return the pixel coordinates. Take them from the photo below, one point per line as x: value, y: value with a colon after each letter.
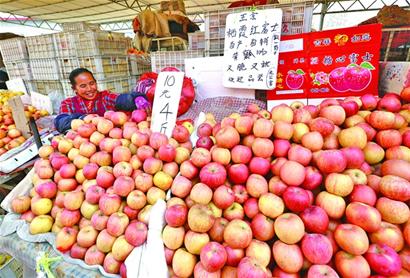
x: 223, y: 197
x: 213, y: 256
x: 241, y: 195
x: 262, y: 227
x: 136, y: 233
x: 313, y: 178
x: 250, y: 267
x: 176, y: 215
x: 259, y: 165
x: 317, y: 248
x: 352, y: 239
x: 238, y: 234
x: 383, y: 260
x: 315, y: 219
x: 238, y: 173
x: 213, y: 175
x: 296, y: 199
x: 241, y: 154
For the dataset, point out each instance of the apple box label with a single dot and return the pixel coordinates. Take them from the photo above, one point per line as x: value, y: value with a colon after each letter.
x: 166, y: 101
x: 252, y: 42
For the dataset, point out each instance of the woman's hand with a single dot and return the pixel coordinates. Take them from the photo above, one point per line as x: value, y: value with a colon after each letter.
x: 143, y: 103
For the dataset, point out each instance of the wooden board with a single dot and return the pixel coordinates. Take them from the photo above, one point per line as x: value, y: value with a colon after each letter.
x: 19, y: 117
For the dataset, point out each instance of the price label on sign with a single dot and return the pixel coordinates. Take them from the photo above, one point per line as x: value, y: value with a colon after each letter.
x: 252, y: 42
x: 166, y: 102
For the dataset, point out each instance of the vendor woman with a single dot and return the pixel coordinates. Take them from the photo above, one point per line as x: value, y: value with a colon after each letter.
x: 89, y: 100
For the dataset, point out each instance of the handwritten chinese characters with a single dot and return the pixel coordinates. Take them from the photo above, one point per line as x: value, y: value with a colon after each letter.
x: 166, y: 101
x: 251, y: 49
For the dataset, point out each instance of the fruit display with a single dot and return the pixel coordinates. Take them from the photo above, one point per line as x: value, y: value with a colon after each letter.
x: 5, y: 95
x: 10, y: 136
x: 298, y: 191
x: 95, y: 186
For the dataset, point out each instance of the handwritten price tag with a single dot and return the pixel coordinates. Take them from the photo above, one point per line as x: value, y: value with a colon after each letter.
x: 166, y: 101
x: 251, y: 49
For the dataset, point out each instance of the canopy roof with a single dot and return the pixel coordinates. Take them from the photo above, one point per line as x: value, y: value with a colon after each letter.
x: 96, y: 11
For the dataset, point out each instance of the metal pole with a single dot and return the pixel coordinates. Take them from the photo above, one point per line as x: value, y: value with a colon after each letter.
x: 325, y: 5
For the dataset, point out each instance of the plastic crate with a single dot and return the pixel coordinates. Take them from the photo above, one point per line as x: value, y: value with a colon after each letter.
x: 45, y: 69
x: 162, y: 59
x: 79, y: 27
x: 41, y: 46
x: 395, y: 44
x: 19, y: 69
x: 13, y: 49
x: 12, y: 269
x: 43, y: 86
x: 100, y: 43
x: 64, y: 45
x: 101, y: 66
x: 296, y: 19
x: 196, y: 40
x: 67, y: 90
x: 117, y: 85
x: 139, y: 64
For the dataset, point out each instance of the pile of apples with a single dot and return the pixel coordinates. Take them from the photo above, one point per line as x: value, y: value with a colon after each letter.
x: 10, y: 136
x: 300, y: 191
x: 95, y: 186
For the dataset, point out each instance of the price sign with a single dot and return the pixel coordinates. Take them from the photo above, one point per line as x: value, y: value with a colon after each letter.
x: 41, y: 102
x: 251, y: 49
x: 166, y: 102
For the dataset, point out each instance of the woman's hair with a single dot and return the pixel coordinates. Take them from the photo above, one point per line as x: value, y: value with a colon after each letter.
x: 76, y: 73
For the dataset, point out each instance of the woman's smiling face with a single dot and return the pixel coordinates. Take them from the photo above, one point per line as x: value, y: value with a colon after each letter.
x: 86, y: 86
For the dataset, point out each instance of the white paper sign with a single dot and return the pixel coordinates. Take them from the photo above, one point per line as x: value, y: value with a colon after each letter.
x: 210, y: 68
x: 251, y: 49
x: 166, y: 101
x: 40, y: 101
x: 16, y: 85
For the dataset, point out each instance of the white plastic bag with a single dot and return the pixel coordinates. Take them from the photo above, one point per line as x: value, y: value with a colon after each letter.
x: 148, y: 260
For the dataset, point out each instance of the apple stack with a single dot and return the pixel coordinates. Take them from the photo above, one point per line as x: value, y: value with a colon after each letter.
x: 10, y: 136
x: 320, y: 191
x: 95, y: 186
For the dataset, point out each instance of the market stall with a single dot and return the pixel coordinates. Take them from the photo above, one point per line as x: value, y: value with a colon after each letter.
x: 263, y: 150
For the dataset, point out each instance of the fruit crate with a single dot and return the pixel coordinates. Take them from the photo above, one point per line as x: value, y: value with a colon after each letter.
x: 395, y: 44
x: 101, y: 66
x: 45, y: 69
x: 296, y: 19
x: 19, y: 69
x: 13, y: 49
x: 100, y: 43
x: 12, y: 269
x: 67, y: 90
x: 43, y: 86
x: 41, y: 46
x: 115, y: 85
x: 139, y: 64
x: 162, y: 59
x: 64, y: 45
x: 196, y: 40
x: 79, y: 27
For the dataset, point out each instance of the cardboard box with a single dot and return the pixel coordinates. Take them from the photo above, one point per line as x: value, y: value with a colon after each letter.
x: 394, y: 77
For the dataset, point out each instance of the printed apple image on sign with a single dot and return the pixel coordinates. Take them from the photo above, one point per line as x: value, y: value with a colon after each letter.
x: 353, y: 77
x: 294, y: 79
x: 337, y: 80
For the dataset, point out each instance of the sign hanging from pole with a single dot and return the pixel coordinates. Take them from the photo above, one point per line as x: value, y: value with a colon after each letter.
x: 251, y: 49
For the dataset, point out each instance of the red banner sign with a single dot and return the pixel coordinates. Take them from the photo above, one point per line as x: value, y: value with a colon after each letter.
x: 334, y: 63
